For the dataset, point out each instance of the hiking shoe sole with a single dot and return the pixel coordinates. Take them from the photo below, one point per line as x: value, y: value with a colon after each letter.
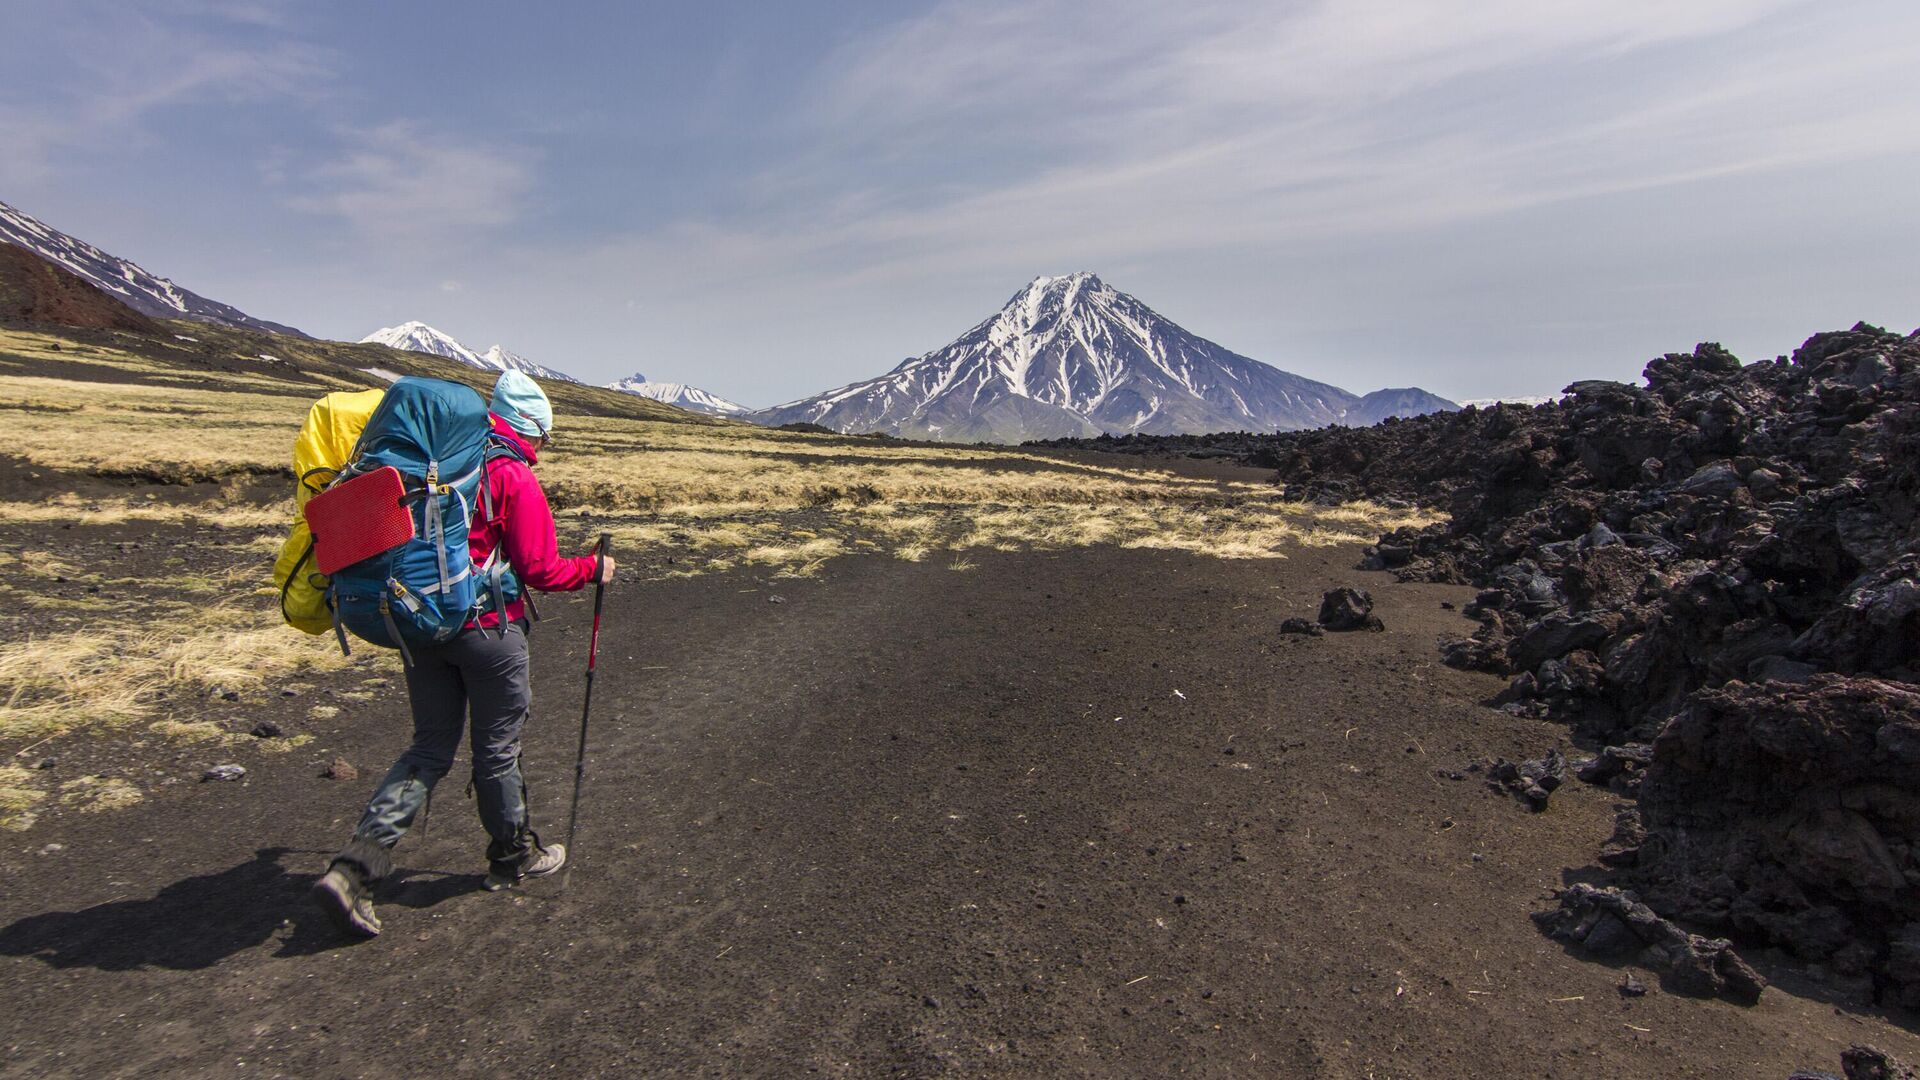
x: 335, y: 895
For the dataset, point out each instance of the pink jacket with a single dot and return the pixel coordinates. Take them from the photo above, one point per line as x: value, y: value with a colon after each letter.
x: 522, y: 523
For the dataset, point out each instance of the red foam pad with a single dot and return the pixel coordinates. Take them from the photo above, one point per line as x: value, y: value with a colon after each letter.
x: 359, y: 519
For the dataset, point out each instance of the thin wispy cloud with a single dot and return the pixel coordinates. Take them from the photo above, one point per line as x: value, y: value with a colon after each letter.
x: 1208, y: 124
x: 400, y: 183
x: 119, y: 65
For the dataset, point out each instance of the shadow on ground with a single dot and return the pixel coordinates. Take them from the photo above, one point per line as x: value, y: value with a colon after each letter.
x: 199, y: 921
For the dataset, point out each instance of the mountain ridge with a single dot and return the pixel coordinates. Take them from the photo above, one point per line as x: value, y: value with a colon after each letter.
x: 124, y: 280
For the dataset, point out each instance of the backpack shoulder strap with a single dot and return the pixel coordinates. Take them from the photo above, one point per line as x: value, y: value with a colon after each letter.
x: 498, y: 447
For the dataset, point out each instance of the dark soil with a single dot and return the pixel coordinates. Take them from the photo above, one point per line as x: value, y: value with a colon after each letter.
x: 1084, y: 814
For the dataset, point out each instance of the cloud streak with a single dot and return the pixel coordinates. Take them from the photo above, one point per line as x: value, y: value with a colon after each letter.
x: 396, y: 182
x: 122, y: 64
x: 1144, y: 126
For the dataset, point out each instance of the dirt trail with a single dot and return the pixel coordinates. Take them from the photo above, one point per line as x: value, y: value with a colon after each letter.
x: 1076, y: 814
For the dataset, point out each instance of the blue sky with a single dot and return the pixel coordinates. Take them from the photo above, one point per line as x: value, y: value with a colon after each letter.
x: 1487, y: 197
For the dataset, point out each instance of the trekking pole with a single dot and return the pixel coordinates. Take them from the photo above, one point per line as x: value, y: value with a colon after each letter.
x: 593, y: 653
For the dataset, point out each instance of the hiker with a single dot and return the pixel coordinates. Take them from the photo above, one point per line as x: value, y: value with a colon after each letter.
x: 481, y: 674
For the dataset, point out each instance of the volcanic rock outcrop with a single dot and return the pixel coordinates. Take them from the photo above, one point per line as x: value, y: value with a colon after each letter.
x: 1716, y: 575
x: 1721, y: 565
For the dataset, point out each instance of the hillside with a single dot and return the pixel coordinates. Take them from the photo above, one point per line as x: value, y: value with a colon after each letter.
x: 35, y: 291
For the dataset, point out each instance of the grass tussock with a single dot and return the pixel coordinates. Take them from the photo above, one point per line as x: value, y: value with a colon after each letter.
x: 20, y: 793
x: 72, y: 509
x: 98, y: 794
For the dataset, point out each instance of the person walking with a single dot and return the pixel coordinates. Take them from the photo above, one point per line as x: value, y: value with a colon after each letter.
x: 478, y: 677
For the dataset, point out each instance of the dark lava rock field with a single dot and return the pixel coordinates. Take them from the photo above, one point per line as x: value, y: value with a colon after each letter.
x: 1712, y: 579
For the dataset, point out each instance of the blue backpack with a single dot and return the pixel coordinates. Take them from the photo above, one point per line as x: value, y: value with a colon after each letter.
x: 438, y: 436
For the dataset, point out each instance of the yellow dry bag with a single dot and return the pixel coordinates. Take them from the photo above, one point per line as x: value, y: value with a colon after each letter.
x: 325, y: 443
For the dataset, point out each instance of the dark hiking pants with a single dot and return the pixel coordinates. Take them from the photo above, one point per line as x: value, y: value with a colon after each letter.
x: 479, y: 675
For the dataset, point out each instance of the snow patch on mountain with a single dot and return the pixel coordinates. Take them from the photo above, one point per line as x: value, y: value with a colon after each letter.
x: 686, y: 397
x: 139, y: 289
x: 419, y: 337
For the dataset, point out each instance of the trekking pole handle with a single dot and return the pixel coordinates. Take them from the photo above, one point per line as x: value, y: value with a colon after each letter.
x: 599, y: 597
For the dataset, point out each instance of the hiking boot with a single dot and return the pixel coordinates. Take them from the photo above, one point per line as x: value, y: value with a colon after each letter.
x: 541, y: 862
x: 347, y: 900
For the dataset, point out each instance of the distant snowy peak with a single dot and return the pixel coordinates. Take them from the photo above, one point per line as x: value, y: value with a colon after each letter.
x: 1071, y: 356
x: 421, y: 338
x: 687, y: 397
x: 501, y: 360
x: 140, y: 290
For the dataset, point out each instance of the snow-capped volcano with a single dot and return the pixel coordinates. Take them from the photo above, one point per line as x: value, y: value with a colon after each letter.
x: 1073, y: 356
x: 419, y: 337
x: 686, y: 397
x: 140, y: 290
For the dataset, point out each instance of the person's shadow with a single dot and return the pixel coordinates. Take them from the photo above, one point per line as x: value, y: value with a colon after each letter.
x: 199, y: 921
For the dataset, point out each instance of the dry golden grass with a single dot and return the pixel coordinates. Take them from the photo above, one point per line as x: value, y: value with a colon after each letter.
x: 119, y: 674
x: 714, y: 490
x: 72, y: 509
x: 167, y: 433
x: 1231, y: 528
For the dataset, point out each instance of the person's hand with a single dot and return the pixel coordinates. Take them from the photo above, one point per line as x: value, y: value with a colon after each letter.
x: 606, y: 570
